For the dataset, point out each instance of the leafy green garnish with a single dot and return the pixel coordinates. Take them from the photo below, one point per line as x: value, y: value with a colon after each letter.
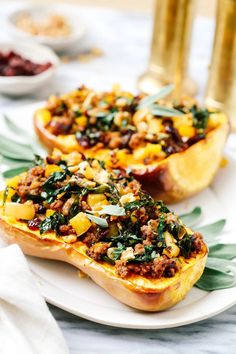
x: 115, y: 210
x: 52, y: 223
x: 160, y: 232
x: 127, y: 238
x: 200, y: 117
x: 14, y: 127
x: 99, y: 221
x: 185, y: 244
x: 149, y: 100
x: 220, y: 264
x: 216, y: 280
x: 164, y: 111
x: 162, y: 207
x: 53, y: 178
x: 14, y: 171
x: 144, y: 201
x: 9, y: 148
x: 220, y: 270
x: 38, y: 160
x: 210, y: 231
x: 223, y: 250
x: 16, y: 198
x: 191, y: 218
x: 116, y: 252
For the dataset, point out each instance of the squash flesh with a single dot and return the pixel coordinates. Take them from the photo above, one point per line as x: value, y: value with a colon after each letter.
x: 136, y: 291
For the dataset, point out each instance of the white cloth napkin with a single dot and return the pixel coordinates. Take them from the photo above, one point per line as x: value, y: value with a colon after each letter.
x: 26, y: 325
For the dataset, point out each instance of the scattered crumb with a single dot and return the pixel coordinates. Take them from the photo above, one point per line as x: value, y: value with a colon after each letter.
x: 81, y: 274
x: 84, y: 57
x: 224, y: 162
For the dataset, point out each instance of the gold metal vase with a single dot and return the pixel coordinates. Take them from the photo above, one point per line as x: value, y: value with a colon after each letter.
x: 168, y: 63
x: 221, y: 88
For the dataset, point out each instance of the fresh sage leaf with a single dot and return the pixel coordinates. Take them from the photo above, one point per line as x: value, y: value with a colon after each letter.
x: 191, y: 218
x: 149, y: 100
x: 220, y: 264
x: 99, y: 221
x: 115, y: 210
x: 14, y: 150
x: 215, y: 280
x: 15, y: 171
x: 15, y: 128
x: 164, y: 111
x: 223, y: 250
x: 212, y: 230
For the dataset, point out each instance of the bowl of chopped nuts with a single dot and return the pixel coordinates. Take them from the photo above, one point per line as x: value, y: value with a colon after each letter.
x: 45, y: 25
x: 25, y: 67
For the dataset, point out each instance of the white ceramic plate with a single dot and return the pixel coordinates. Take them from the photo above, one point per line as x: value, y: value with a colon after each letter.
x: 60, y: 285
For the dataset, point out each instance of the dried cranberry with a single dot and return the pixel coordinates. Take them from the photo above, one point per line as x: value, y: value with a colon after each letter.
x: 12, y: 64
x: 34, y: 224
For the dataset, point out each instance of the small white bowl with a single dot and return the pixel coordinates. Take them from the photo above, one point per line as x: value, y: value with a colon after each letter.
x: 58, y: 44
x: 22, y: 85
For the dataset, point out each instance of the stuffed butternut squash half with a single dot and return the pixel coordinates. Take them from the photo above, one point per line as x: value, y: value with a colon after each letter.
x: 71, y: 209
x: 173, y: 148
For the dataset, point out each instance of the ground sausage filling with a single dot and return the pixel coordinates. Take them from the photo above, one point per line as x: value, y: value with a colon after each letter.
x: 108, y: 211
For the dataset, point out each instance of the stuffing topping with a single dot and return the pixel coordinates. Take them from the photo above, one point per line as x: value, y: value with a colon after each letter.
x: 107, y: 210
x: 115, y: 120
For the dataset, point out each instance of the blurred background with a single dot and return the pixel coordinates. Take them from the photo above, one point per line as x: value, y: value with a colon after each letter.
x: 204, y: 8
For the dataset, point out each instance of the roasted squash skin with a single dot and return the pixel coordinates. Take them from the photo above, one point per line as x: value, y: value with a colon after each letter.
x: 182, y: 175
x: 173, y: 178
x: 132, y: 246
x: 137, y: 292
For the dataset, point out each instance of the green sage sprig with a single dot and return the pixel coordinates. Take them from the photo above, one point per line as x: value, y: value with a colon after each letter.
x: 220, y: 270
x: 150, y: 102
x: 15, y: 155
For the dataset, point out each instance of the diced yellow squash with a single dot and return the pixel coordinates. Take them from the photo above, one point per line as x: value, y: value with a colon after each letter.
x: 140, y: 153
x: 154, y: 126
x: 69, y: 238
x: 73, y: 159
x: 13, y: 182
x: 49, y: 212
x: 51, y: 169
x: 184, y: 120
x: 153, y: 149
x: 121, y: 155
x: 127, y: 198
x: 80, y: 223
x: 186, y: 131
x: 150, y: 150
x: 19, y: 211
x: 81, y: 121
x: 172, y: 250
x: 69, y: 141
x: 140, y: 115
x: 44, y: 115
x: 224, y: 162
x: 215, y: 119
x: 94, y: 199
x: 89, y: 172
